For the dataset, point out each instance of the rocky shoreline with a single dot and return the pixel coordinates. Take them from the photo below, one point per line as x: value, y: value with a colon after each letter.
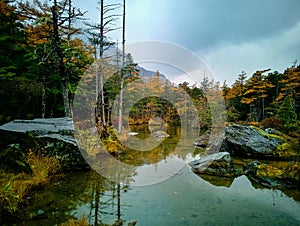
x: 273, y: 160
x: 55, y: 137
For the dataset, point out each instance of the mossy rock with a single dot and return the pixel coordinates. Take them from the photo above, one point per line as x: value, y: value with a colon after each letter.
x: 274, y: 174
x: 288, y: 150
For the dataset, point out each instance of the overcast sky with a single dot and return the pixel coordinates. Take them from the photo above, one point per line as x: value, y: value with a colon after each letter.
x: 230, y: 36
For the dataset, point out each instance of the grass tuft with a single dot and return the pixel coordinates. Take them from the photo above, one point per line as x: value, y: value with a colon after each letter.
x: 72, y: 222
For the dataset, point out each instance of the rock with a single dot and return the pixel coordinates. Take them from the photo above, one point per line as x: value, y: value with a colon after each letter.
x: 202, y: 141
x: 249, y: 141
x: 210, y: 141
x: 51, y: 137
x: 160, y: 134
x: 218, y: 164
x: 133, y: 223
x: 41, y: 126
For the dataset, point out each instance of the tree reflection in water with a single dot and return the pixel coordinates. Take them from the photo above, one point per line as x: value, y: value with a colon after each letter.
x: 105, y: 206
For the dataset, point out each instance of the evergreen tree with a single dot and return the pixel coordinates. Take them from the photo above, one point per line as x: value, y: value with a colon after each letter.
x: 12, y: 63
x: 286, y: 112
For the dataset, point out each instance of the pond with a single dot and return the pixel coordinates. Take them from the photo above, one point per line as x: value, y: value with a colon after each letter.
x: 164, y: 191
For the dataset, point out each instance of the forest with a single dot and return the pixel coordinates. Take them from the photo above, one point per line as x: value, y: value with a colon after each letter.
x: 47, y: 47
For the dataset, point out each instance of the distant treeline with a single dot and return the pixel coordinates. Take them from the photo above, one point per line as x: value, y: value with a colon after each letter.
x: 42, y: 59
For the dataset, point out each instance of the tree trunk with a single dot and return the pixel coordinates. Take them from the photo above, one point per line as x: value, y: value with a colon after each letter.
x: 101, y: 71
x: 60, y: 61
x: 43, y: 101
x: 122, y: 71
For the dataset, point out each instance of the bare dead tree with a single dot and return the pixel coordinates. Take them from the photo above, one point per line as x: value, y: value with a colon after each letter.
x: 98, y: 37
x: 122, y: 72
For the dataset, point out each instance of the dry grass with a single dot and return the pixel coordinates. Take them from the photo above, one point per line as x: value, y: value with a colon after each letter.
x: 15, y: 188
x: 43, y: 168
x: 72, y: 222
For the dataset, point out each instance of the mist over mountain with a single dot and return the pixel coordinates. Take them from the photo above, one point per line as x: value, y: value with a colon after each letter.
x: 145, y: 73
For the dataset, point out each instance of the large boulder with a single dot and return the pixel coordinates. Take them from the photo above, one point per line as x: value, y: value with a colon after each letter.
x: 50, y: 137
x: 249, y: 141
x: 218, y: 164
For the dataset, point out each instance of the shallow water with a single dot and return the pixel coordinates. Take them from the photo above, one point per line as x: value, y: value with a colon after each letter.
x: 164, y: 191
x: 183, y: 199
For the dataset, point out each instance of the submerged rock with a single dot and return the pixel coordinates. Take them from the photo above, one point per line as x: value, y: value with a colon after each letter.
x: 218, y: 164
x: 51, y: 137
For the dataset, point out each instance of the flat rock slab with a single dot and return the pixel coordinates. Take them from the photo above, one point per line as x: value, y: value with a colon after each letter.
x: 41, y: 126
x: 50, y: 137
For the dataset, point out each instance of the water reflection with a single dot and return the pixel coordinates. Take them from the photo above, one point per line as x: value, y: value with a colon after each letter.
x: 183, y: 199
x: 171, y: 193
x: 105, y: 205
x: 186, y: 199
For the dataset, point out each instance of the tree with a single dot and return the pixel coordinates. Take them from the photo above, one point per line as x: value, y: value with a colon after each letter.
x: 50, y: 32
x: 256, y: 90
x: 286, y: 113
x: 290, y: 86
x: 98, y: 38
x: 123, y: 64
x: 13, y: 52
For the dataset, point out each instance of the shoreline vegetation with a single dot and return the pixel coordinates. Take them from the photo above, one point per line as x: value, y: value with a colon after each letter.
x: 17, y: 185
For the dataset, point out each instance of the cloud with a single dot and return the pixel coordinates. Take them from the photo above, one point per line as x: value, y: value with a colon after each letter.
x: 276, y: 52
x: 231, y: 35
x: 207, y: 23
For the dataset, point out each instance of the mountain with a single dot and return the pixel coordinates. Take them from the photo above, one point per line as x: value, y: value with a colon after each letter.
x: 146, y: 74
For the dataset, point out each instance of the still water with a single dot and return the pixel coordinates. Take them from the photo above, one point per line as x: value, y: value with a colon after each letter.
x: 164, y: 191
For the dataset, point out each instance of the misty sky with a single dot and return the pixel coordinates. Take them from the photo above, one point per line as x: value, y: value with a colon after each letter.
x: 228, y: 35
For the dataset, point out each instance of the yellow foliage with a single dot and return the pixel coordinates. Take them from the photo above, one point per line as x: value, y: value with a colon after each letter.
x: 254, y: 123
